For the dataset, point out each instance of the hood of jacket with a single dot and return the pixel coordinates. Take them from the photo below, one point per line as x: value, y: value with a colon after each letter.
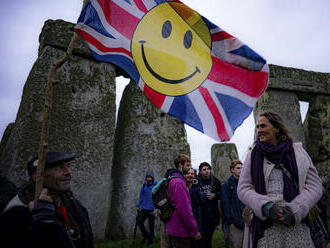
x: 169, y: 172
x: 150, y: 174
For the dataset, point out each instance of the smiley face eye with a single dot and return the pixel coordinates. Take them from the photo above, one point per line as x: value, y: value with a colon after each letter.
x: 187, y: 39
x: 166, y: 29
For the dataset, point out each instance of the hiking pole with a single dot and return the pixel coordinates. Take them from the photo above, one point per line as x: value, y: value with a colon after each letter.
x: 46, y: 116
x: 135, y: 226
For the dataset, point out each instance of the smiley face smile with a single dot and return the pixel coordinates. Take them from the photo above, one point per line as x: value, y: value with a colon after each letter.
x: 156, y: 75
x: 171, y: 49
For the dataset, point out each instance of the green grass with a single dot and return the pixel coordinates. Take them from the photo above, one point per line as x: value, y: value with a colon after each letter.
x: 218, y: 242
x: 126, y: 243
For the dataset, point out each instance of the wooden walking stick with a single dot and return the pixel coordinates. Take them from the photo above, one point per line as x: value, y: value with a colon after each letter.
x: 46, y: 116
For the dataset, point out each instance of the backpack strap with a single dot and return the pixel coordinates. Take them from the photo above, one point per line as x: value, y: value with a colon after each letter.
x: 170, y: 178
x: 159, y: 183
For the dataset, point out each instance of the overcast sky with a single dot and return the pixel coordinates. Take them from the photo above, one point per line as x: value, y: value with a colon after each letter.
x: 293, y: 33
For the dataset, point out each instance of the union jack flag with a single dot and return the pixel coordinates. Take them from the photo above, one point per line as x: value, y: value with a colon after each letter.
x: 219, y: 104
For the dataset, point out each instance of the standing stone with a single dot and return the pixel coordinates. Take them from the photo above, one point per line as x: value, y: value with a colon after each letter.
x: 221, y: 157
x: 146, y: 140
x: 317, y: 133
x: 82, y: 122
x: 286, y: 104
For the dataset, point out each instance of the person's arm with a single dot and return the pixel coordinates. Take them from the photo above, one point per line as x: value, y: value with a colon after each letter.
x: 217, y: 190
x: 138, y: 205
x: 310, y: 194
x: 181, y: 199
x: 225, y: 205
x: 45, y: 230
x: 246, y: 191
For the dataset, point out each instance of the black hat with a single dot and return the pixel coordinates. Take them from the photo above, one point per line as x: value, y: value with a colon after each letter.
x: 53, y: 158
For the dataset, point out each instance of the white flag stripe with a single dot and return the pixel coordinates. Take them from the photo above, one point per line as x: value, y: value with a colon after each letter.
x: 149, y: 4
x: 222, y: 113
x: 104, y: 40
x: 221, y: 49
x: 141, y: 84
x: 167, y: 104
x: 218, y: 50
x: 244, y: 62
x: 96, y: 50
x: 265, y: 68
x: 226, y: 90
x: 132, y: 9
x: 204, y: 114
x: 232, y: 44
x: 226, y: 45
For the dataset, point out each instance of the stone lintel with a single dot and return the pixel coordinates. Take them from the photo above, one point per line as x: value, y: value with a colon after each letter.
x: 58, y: 34
x: 302, y: 82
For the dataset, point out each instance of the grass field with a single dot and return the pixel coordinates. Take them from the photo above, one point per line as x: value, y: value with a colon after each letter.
x: 218, y: 242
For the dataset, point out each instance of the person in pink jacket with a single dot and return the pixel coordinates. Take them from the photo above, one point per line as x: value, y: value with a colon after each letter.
x: 182, y: 227
x: 281, y: 185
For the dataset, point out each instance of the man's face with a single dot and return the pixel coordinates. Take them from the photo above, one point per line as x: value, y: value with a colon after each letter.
x: 186, y: 166
x: 149, y: 179
x: 236, y: 171
x: 58, y: 178
x: 205, y: 172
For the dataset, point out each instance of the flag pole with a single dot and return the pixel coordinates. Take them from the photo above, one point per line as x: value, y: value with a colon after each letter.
x: 46, y: 116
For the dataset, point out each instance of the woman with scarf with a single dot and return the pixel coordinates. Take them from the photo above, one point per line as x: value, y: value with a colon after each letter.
x: 280, y: 184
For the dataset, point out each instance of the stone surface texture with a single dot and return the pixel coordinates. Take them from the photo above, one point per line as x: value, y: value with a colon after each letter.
x: 82, y: 122
x: 317, y: 133
x: 302, y: 82
x: 221, y: 157
x: 146, y: 140
x: 58, y: 34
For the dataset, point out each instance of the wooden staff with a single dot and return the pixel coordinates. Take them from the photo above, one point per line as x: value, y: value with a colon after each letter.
x: 46, y: 117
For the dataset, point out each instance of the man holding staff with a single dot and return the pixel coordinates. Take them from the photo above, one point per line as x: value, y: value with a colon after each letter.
x: 57, y: 219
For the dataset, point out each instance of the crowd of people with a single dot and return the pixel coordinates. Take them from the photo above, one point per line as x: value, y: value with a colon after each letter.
x: 274, y: 202
x: 273, y: 199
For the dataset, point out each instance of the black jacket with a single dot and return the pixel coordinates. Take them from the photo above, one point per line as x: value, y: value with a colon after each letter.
x: 7, y: 191
x: 196, y: 204
x: 210, y: 208
x: 45, y: 226
x: 231, y: 206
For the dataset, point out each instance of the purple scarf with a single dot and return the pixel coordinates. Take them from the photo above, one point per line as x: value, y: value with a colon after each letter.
x: 282, y: 153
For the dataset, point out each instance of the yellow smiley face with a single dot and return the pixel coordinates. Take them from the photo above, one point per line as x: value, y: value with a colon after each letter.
x: 171, y: 48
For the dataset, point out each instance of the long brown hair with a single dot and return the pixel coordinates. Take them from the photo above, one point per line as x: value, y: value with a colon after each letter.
x: 277, y: 122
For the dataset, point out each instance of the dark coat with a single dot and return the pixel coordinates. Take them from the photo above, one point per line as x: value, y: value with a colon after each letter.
x: 210, y: 208
x: 145, y: 198
x: 45, y: 226
x: 7, y: 191
x: 231, y: 206
x: 196, y: 204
